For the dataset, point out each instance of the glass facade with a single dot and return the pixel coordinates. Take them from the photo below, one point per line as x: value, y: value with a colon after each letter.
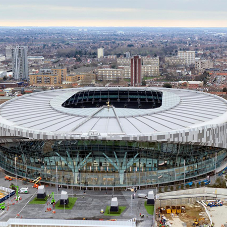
x: 94, y: 163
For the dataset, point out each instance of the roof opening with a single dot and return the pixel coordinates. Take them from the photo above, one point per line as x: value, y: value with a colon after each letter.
x: 121, y: 98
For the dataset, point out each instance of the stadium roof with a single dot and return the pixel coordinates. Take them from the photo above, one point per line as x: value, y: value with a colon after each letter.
x: 43, y: 113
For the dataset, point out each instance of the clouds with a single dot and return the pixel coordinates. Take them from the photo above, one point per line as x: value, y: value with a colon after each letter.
x: 117, y: 10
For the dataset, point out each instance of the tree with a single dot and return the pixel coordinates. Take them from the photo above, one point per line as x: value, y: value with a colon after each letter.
x: 219, y: 183
x: 167, y: 85
x: 143, y: 83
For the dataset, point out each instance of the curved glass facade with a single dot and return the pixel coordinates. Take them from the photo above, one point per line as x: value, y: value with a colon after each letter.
x: 94, y: 163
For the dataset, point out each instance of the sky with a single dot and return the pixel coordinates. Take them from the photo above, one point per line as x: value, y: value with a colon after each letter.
x: 114, y: 13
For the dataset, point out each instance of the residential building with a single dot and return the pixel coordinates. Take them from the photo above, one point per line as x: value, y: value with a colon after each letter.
x: 188, y: 56
x: 20, y: 63
x: 110, y: 74
x: 147, y: 60
x: 127, y: 54
x: 202, y: 65
x: 174, y: 60
x: 191, y: 84
x: 136, y: 71
x: 150, y: 70
x: 100, y: 52
x: 45, y: 77
x: 127, y: 71
x: 124, y: 61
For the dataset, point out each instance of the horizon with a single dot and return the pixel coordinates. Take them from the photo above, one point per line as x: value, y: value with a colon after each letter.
x: 120, y: 13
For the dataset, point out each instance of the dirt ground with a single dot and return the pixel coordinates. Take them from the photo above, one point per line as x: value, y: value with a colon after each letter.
x: 193, y: 212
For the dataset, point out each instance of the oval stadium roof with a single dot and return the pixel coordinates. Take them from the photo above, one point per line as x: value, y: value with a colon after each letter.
x: 41, y: 115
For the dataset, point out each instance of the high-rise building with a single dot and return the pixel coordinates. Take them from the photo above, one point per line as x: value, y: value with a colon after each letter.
x: 20, y: 62
x: 100, y: 52
x: 136, y: 71
x: 188, y: 56
x: 127, y: 54
x: 9, y: 53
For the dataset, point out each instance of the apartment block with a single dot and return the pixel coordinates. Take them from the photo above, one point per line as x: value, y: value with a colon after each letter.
x: 188, y: 56
x: 174, y: 61
x: 20, y: 62
x: 124, y: 61
x: 202, y: 65
x: 48, y: 77
x: 100, y: 52
x: 110, y: 74
x: 150, y: 60
x: 150, y: 70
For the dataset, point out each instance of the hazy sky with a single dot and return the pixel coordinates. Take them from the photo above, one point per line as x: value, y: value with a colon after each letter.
x: 153, y: 13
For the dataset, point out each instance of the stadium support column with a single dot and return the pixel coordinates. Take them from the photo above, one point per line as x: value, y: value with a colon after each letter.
x: 118, y: 167
x: 75, y: 168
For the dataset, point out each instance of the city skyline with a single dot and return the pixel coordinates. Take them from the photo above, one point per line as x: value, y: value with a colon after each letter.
x: 177, y: 13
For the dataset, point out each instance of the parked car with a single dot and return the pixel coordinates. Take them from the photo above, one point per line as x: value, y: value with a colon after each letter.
x: 142, y: 195
x: 23, y: 190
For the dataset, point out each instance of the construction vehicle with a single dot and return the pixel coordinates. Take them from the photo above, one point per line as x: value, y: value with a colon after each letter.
x: 37, y: 182
x: 52, y: 198
x: 196, y: 222
x: 2, y: 206
x: 8, y: 178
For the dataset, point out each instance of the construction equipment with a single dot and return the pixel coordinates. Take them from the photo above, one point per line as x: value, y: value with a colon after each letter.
x: 178, y: 209
x: 196, y: 222
x: 37, y: 182
x: 168, y: 210
x: 8, y: 178
x: 174, y: 210
x: 2, y: 206
x: 52, y: 198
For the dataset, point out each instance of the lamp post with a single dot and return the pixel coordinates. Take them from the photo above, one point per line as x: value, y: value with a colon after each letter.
x: 57, y: 178
x: 16, y: 168
x: 215, y: 162
x: 184, y: 172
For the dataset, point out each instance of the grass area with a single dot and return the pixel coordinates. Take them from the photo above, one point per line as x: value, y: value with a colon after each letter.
x: 71, y: 204
x: 107, y: 211
x: 38, y: 201
x: 149, y: 208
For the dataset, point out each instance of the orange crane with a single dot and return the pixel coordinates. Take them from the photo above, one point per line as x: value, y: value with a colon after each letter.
x: 37, y: 182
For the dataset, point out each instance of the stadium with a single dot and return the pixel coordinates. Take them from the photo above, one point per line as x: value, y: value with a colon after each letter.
x: 113, y: 137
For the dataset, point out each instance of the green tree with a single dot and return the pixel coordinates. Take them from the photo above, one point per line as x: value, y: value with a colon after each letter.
x: 143, y: 83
